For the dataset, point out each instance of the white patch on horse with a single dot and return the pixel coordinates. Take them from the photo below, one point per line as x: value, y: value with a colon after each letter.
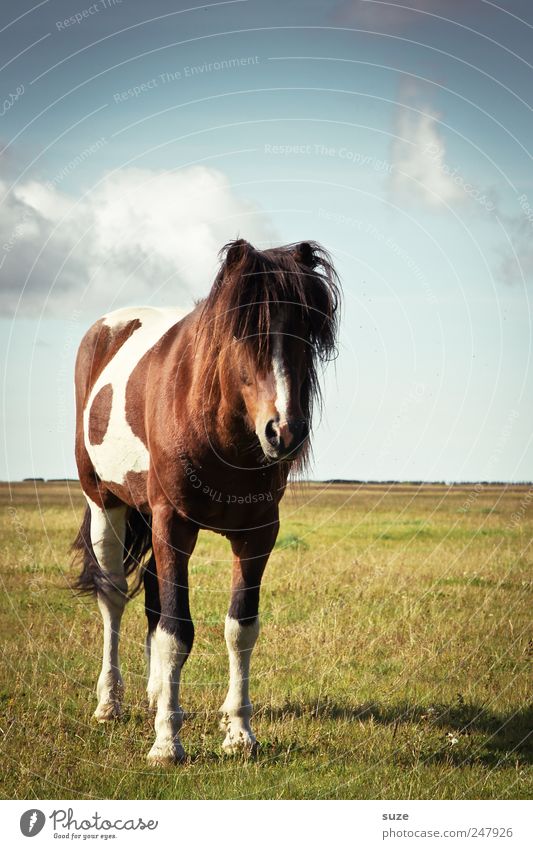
x: 121, y: 451
x: 171, y: 654
x: 237, y: 709
x: 281, y: 378
x: 153, y: 686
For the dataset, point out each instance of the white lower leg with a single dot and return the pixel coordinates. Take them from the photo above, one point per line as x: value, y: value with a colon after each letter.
x: 110, y: 687
x: 153, y: 687
x: 237, y: 709
x: 171, y: 654
x: 107, y: 538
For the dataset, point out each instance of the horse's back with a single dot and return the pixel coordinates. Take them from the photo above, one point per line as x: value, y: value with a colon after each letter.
x: 108, y: 354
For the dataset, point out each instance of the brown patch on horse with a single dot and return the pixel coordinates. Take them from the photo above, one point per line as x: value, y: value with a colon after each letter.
x: 99, y: 414
x: 98, y: 347
x: 134, y: 411
x: 133, y: 491
x: 152, y: 375
x: 136, y: 484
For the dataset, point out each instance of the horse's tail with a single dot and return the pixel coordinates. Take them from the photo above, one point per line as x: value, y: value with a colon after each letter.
x: 137, y: 554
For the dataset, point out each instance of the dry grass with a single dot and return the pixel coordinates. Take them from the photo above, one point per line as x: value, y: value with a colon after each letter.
x: 394, y: 660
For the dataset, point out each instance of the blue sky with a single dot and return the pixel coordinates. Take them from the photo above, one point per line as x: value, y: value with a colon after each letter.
x: 137, y: 138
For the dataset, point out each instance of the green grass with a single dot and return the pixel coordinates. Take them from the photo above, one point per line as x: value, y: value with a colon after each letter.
x: 394, y: 659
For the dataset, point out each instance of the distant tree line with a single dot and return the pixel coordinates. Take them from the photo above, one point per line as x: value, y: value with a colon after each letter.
x: 350, y: 481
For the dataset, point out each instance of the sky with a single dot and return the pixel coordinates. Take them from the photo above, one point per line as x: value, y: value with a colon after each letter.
x: 136, y: 139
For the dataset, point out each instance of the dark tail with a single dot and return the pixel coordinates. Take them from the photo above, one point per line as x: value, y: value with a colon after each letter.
x: 137, y: 545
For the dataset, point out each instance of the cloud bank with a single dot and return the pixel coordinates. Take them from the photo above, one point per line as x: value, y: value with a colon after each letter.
x: 139, y: 236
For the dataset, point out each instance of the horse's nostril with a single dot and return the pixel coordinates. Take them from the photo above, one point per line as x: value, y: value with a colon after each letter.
x: 272, y: 432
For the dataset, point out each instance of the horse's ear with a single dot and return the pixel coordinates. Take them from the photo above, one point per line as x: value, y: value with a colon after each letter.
x: 236, y: 251
x: 304, y: 254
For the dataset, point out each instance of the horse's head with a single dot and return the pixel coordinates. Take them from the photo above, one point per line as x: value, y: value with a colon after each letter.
x: 275, y: 316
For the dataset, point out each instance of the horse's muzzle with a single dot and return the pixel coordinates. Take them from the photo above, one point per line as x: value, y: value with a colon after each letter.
x: 284, y: 440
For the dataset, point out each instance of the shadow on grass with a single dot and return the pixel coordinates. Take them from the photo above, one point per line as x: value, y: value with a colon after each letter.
x: 509, y: 736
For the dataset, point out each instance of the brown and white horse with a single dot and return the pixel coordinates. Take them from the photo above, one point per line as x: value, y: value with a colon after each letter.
x: 193, y: 422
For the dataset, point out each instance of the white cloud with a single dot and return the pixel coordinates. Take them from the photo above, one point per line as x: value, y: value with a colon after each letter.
x: 139, y: 236
x: 418, y: 157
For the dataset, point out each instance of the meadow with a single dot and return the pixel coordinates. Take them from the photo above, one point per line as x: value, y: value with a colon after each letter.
x: 394, y: 659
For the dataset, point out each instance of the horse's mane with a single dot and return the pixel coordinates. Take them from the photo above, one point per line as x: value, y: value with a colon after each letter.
x: 250, y: 289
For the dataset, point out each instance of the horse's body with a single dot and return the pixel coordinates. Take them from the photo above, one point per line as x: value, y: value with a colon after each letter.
x: 193, y: 422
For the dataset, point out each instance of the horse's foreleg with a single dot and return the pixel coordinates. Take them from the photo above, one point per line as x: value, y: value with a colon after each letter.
x: 152, y: 607
x: 171, y: 642
x: 108, y: 527
x: 237, y: 709
x: 241, y: 631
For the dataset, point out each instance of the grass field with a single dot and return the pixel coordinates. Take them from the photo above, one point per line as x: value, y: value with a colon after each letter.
x: 394, y: 659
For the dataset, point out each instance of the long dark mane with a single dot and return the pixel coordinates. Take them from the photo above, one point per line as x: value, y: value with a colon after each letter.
x: 250, y: 290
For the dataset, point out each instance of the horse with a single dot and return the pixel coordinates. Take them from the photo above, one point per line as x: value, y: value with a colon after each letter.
x: 189, y: 422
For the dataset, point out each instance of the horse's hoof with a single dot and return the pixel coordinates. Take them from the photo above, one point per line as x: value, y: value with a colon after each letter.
x: 242, y: 744
x: 166, y: 756
x: 107, y: 712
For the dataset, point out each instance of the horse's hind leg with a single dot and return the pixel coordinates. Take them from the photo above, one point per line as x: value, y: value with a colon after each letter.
x: 108, y: 529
